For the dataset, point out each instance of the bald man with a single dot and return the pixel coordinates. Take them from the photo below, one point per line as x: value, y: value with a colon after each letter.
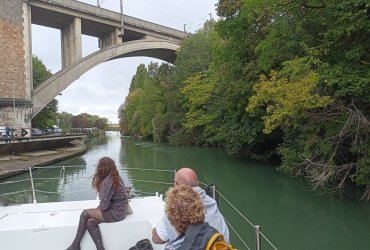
x: 164, y: 232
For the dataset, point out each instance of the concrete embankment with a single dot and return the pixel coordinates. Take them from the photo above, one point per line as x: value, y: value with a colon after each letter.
x: 14, y: 164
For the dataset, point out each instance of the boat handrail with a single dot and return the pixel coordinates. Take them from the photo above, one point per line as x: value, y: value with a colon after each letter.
x: 257, y: 228
x: 258, y: 232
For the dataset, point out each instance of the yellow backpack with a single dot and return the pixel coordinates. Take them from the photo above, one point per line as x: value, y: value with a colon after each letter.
x: 217, y: 242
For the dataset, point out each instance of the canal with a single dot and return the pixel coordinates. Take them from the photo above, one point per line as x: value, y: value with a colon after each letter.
x: 291, y: 215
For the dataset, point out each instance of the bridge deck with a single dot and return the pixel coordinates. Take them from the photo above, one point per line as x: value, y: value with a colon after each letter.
x: 96, y: 21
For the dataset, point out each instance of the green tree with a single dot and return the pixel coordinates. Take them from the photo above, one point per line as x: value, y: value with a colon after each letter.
x: 288, y: 98
x: 195, y: 53
x: 101, y: 123
x: 322, y: 112
x: 313, y: 109
x: 46, y: 118
x: 65, y: 121
x: 192, y: 65
x: 198, y: 92
x: 144, y: 101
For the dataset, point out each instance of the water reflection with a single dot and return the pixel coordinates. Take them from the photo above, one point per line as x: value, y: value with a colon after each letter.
x: 289, y: 212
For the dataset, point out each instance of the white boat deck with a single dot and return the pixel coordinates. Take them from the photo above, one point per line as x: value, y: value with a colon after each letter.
x: 46, y: 226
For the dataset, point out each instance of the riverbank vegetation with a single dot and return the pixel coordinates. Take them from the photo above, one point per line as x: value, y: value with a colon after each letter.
x: 270, y: 79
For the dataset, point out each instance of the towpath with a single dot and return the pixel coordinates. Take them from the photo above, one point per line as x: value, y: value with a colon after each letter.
x: 9, y: 164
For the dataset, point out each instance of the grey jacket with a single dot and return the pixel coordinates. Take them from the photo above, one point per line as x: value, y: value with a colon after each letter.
x: 114, y: 200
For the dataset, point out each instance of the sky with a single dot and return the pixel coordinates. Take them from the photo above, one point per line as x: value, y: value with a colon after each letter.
x: 103, y: 89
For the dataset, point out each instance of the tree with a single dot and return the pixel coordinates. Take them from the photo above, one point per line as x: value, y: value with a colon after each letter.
x: 144, y: 101
x: 47, y: 116
x: 101, y: 123
x: 319, y: 92
x: 288, y: 98
x: 80, y: 121
x: 198, y: 93
x: 272, y: 78
x: 195, y: 53
x: 65, y: 121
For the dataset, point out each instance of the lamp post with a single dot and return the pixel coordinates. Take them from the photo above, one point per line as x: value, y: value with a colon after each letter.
x: 13, y: 112
x: 122, y: 29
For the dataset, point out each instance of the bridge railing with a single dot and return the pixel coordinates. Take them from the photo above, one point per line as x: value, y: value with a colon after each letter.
x: 112, y: 15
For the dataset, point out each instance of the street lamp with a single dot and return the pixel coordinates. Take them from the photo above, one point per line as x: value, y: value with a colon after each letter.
x: 13, y: 111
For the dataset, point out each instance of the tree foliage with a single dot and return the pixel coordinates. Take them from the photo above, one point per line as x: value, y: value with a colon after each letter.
x: 145, y: 100
x: 46, y: 118
x: 85, y: 120
x: 198, y: 92
x: 271, y: 78
x: 65, y: 121
x: 287, y: 99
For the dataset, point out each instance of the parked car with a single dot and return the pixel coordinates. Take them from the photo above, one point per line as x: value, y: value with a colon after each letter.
x: 48, y: 131
x: 8, y: 132
x: 36, y: 132
x: 57, y: 130
x: 2, y: 131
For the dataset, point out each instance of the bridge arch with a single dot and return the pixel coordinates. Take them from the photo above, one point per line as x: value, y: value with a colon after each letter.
x: 49, y: 89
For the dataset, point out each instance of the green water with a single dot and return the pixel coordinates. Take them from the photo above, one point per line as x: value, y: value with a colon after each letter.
x: 290, y: 214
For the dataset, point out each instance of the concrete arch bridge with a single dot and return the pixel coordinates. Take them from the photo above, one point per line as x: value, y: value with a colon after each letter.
x: 49, y: 89
x: 118, y: 35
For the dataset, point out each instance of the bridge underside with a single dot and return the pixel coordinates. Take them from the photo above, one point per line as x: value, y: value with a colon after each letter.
x: 162, y: 54
x: 48, y: 90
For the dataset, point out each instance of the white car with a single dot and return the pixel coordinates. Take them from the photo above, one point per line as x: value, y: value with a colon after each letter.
x: 2, y: 131
x: 36, y: 132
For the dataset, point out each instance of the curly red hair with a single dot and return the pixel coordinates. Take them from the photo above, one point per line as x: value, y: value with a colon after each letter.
x: 183, y: 207
x: 106, y: 167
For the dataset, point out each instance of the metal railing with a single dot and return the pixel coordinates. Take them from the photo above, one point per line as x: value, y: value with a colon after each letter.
x: 257, y: 228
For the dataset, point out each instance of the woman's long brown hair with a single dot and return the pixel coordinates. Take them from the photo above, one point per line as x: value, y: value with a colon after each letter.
x: 105, y: 167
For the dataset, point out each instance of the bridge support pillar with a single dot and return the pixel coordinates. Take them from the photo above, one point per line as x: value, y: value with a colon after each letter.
x: 16, y: 113
x: 111, y: 39
x: 71, y: 43
x: 15, y: 64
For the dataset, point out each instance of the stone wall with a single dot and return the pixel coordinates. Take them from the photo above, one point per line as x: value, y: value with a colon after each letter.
x: 12, y: 59
x: 21, y: 118
x: 15, y: 63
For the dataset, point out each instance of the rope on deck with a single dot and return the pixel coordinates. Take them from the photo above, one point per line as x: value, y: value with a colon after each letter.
x: 150, y: 169
x: 143, y: 192
x: 46, y: 178
x: 244, y: 217
x: 71, y: 192
x: 156, y: 182
x: 56, y: 166
x: 268, y: 240
x: 11, y: 182
x: 43, y: 167
x: 240, y: 238
x: 16, y: 192
x: 14, y: 170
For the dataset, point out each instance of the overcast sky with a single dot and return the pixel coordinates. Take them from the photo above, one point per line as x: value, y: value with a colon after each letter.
x: 103, y: 89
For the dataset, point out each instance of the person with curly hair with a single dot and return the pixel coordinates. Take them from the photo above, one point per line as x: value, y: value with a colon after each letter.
x: 183, y: 208
x: 165, y: 232
x: 112, y: 207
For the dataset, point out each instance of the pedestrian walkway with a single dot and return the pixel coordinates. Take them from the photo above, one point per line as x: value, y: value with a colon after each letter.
x: 9, y: 163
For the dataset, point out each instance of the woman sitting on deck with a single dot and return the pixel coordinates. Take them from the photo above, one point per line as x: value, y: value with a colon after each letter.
x: 112, y: 207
